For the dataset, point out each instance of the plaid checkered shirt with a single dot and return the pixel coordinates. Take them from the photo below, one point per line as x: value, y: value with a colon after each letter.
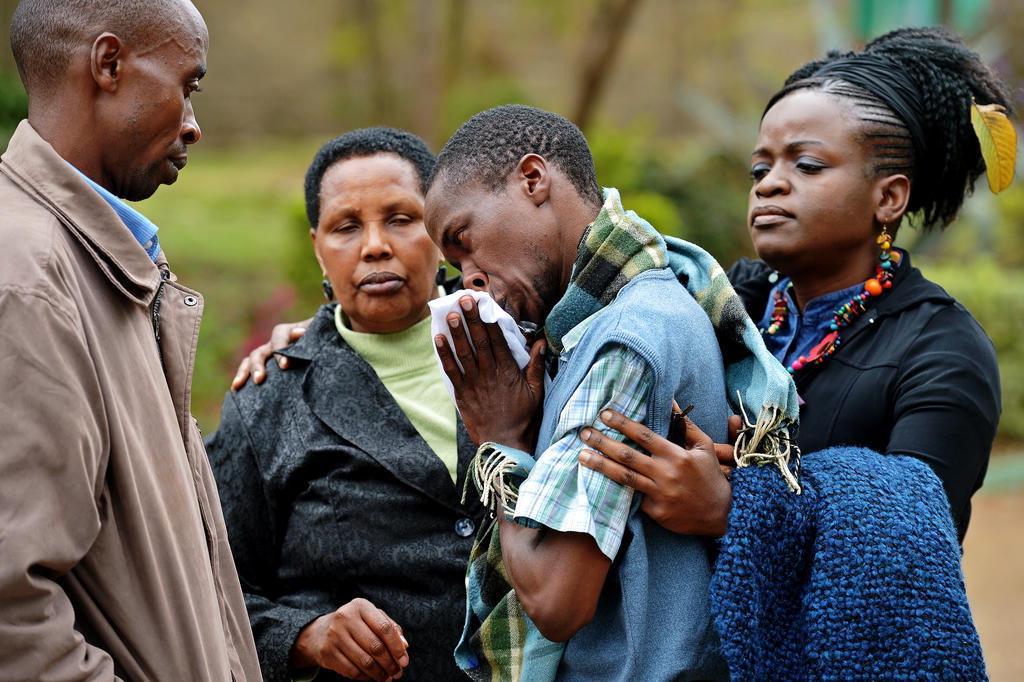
x: 561, y: 494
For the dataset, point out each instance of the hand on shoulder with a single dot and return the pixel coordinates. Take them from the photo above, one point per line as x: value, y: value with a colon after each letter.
x: 254, y: 365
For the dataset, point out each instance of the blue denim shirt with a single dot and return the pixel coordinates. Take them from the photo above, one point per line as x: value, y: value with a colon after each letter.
x: 139, y: 225
x: 802, y: 332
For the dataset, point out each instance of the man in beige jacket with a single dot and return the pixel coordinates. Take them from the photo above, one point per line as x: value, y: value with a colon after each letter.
x: 114, y: 561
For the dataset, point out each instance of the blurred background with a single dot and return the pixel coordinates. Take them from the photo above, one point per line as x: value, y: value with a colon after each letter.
x: 669, y: 92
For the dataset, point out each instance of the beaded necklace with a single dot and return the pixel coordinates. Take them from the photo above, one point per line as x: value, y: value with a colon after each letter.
x: 844, y: 315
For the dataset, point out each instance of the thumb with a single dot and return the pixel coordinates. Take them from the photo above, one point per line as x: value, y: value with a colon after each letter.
x: 535, y: 368
x: 734, y: 428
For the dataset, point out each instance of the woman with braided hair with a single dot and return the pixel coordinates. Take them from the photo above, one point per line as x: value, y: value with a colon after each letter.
x: 851, y: 148
x: 858, y: 576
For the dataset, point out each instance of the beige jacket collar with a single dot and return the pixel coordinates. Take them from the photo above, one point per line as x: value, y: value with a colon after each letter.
x: 32, y: 164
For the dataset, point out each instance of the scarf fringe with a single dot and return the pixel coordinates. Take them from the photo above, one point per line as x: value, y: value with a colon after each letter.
x: 492, y: 478
x: 768, y: 442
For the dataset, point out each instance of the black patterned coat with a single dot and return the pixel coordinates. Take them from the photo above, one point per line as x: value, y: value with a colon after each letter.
x: 329, y: 494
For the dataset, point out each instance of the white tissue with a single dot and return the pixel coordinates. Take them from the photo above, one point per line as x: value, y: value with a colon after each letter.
x: 490, y: 311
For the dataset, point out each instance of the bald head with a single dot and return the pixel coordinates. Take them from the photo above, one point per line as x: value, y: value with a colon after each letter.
x: 46, y: 33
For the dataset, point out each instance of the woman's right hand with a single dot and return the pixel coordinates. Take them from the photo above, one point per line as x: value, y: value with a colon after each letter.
x: 254, y: 364
x: 685, y: 485
x: 358, y: 641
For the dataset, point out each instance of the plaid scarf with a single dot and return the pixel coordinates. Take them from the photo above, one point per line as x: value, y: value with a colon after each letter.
x: 616, y: 247
x: 620, y: 245
x: 499, y: 642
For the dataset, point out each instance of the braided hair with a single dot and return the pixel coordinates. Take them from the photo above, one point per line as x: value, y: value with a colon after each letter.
x: 945, y: 159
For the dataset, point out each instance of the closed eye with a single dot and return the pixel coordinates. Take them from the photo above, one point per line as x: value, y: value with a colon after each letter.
x: 454, y: 237
x: 759, y: 171
x: 809, y: 168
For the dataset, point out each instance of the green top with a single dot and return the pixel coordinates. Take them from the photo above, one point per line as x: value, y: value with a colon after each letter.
x: 406, y: 365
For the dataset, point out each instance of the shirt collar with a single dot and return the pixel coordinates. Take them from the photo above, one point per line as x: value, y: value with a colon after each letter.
x: 819, y: 306
x: 141, y: 227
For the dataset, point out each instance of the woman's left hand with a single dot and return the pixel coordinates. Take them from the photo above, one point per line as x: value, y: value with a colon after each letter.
x: 685, y: 488
x: 498, y: 401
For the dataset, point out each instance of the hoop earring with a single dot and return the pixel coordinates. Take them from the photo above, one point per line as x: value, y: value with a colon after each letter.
x: 328, y: 289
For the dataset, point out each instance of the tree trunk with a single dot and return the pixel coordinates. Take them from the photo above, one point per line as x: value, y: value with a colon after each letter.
x: 609, y: 27
x: 368, y: 13
x: 427, y: 106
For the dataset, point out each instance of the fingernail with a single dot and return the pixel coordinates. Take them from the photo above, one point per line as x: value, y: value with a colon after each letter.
x: 282, y: 363
x: 403, y: 661
x: 453, y: 321
x: 466, y: 302
x: 586, y: 435
x: 404, y: 641
x: 585, y: 456
x: 300, y: 330
x: 606, y: 415
x: 439, y: 341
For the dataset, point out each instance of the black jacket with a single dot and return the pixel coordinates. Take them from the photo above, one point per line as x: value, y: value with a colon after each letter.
x: 330, y: 493
x: 916, y: 374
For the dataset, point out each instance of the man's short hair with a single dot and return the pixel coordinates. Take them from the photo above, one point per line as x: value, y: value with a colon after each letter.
x: 44, y: 33
x: 360, y: 144
x: 488, y: 146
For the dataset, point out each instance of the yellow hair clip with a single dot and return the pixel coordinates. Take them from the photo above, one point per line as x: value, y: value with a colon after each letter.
x: 998, y: 140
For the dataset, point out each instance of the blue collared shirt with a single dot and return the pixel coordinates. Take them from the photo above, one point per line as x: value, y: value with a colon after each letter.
x: 141, y: 227
x: 802, y: 332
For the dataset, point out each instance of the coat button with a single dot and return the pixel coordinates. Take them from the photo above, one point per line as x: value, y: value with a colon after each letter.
x: 191, y: 300
x: 464, y: 527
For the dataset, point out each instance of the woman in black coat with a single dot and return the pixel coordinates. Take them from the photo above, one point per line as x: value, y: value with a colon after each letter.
x: 342, y: 495
x: 882, y: 358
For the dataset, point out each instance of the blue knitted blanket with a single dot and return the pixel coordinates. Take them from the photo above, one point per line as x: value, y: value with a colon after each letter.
x: 858, y: 578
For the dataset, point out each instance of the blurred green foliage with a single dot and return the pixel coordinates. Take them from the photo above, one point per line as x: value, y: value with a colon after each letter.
x: 685, y: 187
x: 13, y: 105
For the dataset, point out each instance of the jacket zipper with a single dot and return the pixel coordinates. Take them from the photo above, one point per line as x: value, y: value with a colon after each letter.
x: 155, y: 312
